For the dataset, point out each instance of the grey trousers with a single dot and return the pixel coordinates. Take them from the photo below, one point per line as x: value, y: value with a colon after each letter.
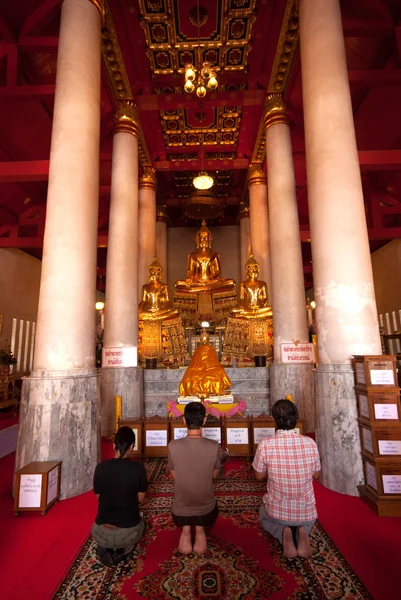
x: 121, y: 537
x: 275, y: 526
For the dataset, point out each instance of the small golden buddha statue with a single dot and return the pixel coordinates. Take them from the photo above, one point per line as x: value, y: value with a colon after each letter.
x: 252, y: 294
x: 155, y: 304
x: 204, y: 267
x: 204, y: 376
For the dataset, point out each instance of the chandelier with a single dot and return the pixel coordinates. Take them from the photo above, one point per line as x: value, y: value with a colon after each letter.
x: 204, y: 77
x: 203, y: 181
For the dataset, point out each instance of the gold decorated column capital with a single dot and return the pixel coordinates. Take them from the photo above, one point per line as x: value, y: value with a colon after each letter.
x: 126, y: 118
x: 162, y: 214
x: 148, y: 179
x: 99, y: 4
x: 256, y: 175
x: 275, y: 111
x: 243, y: 212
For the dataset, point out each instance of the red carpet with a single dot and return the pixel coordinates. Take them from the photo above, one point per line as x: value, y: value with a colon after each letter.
x: 36, y: 552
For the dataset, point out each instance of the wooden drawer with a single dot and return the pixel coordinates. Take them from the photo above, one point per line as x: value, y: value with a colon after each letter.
x: 137, y: 427
x: 375, y: 371
x: 265, y: 427
x: 237, y: 433
x: 155, y: 436
x: 383, y: 475
x: 378, y: 405
x: 380, y: 441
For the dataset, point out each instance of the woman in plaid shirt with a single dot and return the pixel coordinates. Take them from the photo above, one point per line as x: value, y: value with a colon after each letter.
x: 290, y: 461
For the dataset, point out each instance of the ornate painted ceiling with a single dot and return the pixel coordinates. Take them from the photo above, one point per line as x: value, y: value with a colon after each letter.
x: 253, y: 47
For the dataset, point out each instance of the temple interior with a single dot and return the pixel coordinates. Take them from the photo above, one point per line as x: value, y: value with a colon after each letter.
x: 201, y: 200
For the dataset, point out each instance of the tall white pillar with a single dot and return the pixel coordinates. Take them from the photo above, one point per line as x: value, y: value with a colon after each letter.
x: 147, y: 224
x: 346, y: 315
x: 60, y: 400
x: 288, y: 293
x: 161, y: 238
x: 121, y: 310
x: 259, y: 222
x: 245, y: 236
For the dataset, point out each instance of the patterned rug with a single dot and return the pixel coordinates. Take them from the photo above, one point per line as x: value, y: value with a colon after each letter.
x: 242, y: 562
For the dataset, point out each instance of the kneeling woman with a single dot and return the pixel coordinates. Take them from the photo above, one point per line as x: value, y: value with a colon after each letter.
x: 121, y: 486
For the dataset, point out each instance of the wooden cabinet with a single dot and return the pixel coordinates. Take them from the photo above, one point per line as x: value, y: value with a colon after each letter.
x: 37, y: 486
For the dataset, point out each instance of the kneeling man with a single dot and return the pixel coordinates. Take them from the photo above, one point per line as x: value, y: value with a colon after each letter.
x: 194, y: 462
x: 290, y: 461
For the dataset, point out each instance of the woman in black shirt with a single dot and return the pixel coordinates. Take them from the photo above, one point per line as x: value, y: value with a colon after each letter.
x: 121, y: 486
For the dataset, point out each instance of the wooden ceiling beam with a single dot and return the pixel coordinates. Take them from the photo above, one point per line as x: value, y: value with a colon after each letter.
x: 38, y: 43
x: 157, y: 102
x: 40, y: 16
x: 27, y: 92
x: 367, y: 28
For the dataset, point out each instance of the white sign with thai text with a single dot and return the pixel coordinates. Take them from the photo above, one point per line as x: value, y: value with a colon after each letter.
x: 156, y: 437
x: 135, y: 449
x: 120, y: 357
x: 392, y: 484
x: 261, y: 433
x: 382, y: 376
x: 386, y: 411
x: 52, y: 481
x: 297, y: 353
x: 238, y: 435
x: 389, y: 447
x: 212, y: 433
x: 180, y: 432
x: 30, y: 490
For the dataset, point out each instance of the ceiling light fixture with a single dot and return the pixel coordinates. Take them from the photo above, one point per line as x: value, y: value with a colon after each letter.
x: 203, y: 79
x: 203, y: 181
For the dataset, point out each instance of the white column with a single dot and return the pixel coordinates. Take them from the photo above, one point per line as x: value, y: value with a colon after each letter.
x: 66, y: 317
x: 121, y: 311
x: 161, y: 238
x: 346, y: 313
x: 259, y: 222
x: 288, y: 294
x: 245, y: 236
x: 146, y: 224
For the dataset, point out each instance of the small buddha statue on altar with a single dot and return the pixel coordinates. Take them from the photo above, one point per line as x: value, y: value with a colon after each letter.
x: 252, y: 294
x: 155, y: 304
x: 204, y: 267
x: 204, y: 376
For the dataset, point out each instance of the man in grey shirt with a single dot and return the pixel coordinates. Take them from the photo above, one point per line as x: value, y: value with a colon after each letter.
x: 194, y: 462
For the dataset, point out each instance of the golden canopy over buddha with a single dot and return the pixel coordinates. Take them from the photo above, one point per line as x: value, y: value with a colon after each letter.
x: 155, y: 304
x: 204, y: 376
x: 252, y: 294
x: 204, y: 267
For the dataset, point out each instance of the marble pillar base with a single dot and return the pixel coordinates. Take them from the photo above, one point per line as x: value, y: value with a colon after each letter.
x: 251, y: 385
x: 337, y: 431
x: 126, y: 382
x: 296, y: 380
x: 59, y: 420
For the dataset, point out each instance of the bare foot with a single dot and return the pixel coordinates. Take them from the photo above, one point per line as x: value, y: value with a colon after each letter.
x: 288, y: 543
x: 304, y: 550
x: 185, y: 543
x: 200, y: 545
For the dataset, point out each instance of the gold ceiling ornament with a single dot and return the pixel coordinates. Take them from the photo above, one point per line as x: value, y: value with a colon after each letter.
x: 202, y: 205
x: 99, y: 4
x: 204, y: 78
x: 256, y: 175
x: 148, y: 179
x: 162, y: 214
x: 275, y: 111
x: 126, y: 118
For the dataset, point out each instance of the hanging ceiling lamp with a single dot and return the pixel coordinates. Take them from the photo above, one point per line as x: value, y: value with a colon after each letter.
x: 203, y: 79
x: 203, y: 181
x: 99, y: 304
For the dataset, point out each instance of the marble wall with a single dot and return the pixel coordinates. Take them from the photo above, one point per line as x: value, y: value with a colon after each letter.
x: 251, y: 385
x: 126, y: 382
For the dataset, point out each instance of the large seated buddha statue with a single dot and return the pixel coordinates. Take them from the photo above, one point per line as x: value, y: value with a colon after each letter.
x: 204, y: 294
x: 204, y: 376
x: 161, y: 333
x: 249, y: 330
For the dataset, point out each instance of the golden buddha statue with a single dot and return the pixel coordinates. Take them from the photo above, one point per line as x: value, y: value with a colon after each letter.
x: 155, y: 304
x: 204, y: 376
x: 249, y: 330
x: 161, y: 334
x: 252, y: 294
x: 204, y: 267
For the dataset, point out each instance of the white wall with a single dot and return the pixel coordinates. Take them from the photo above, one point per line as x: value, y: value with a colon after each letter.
x: 181, y: 241
x: 19, y: 297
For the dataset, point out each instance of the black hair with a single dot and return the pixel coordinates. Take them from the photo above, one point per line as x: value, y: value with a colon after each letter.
x: 285, y: 414
x: 123, y: 439
x: 194, y: 414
